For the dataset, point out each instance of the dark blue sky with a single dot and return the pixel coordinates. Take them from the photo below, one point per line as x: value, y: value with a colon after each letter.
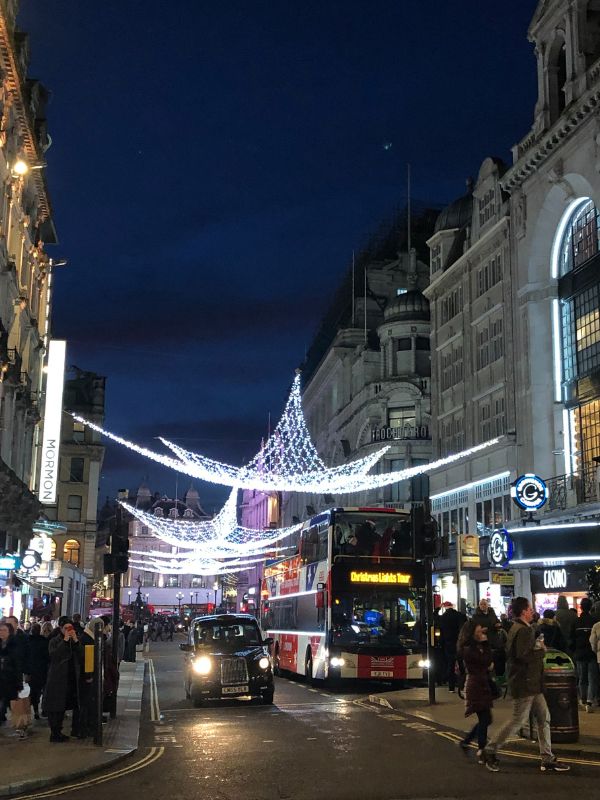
x: 214, y: 165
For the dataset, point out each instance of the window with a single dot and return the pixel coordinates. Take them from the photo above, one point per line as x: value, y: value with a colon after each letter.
x: 404, y: 343
x: 452, y: 435
x: 496, y: 340
x: 485, y: 421
x: 490, y: 343
x: 71, y: 552
x: 489, y: 275
x: 74, y: 505
x: 148, y: 579
x: 76, y: 470
x: 451, y: 366
x: 78, y: 432
x: 499, y: 420
x: 487, y: 207
x: 483, y: 350
x: 436, y: 258
x: 580, y: 241
x: 197, y: 583
x: 52, y: 550
x: 423, y: 343
x: 451, y: 305
x: 173, y: 581
x: 457, y: 364
x: 401, y: 417
x: 399, y: 490
x: 587, y: 330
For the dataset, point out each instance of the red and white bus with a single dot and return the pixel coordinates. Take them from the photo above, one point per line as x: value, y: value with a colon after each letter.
x: 351, y: 602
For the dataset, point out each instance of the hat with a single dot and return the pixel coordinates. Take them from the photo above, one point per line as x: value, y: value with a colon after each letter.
x: 448, y: 604
x: 64, y: 621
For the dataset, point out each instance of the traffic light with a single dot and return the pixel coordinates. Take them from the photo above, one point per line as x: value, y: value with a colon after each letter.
x: 117, y: 561
x: 425, y: 533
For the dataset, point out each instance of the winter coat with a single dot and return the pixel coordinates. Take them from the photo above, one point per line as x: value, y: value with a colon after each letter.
x: 11, y: 674
x: 478, y: 694
x: 525, y: 663
x: 22, y: 644
x: 566, y: 622
x: 553, y: 637
x: 583, y: 630
x: 595, y: 640
x: 39, y: 658
x: 451, y: 621
x: 62, y: 684
x: 488, y: 622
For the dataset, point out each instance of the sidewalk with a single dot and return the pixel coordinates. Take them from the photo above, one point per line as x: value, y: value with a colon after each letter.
x: 449, y: 712
x: 34, y: 762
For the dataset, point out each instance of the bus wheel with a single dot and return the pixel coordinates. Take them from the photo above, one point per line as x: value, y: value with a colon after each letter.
x: 308, y: 668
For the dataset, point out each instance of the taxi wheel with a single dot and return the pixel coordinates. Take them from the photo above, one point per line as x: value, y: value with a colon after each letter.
x: 267, y: 698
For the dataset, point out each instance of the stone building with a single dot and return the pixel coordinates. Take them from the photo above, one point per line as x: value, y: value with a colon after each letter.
x: 25, y: 279
x: 515, y: 295
x: 366, y: 380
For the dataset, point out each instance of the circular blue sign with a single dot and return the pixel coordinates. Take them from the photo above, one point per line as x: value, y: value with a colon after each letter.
x: 529, y: 492
x: 501, y: 548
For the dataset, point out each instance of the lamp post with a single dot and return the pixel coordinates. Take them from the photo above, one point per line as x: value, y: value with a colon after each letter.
x: 191, y: 599
x: 179, y: 596
x: 129, y: 596
x: 216, y: 588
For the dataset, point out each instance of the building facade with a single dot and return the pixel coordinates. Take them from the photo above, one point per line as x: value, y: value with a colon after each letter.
x: 367, y: 375
x: 25, y: 289
x: 519, y: 301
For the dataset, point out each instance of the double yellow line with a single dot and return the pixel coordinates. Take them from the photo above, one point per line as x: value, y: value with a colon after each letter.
x: 153, y: 755
x: 453, y: 737
x: 154, y: 707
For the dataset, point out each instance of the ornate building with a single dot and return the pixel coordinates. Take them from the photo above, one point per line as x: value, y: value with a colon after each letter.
x: 25, y: 280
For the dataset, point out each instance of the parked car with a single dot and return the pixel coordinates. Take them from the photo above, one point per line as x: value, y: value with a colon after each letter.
x: 226, y: 657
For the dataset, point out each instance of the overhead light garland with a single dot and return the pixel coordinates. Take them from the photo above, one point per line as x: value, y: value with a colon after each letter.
x: 288, y: 462
x: 193, y: 567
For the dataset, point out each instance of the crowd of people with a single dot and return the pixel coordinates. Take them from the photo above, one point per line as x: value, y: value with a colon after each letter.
x: 44, y: 672
x: 485, y: 646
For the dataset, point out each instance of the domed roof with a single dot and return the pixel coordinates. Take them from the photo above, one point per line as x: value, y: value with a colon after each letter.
x: 456, y: 215
x: 407, y: 306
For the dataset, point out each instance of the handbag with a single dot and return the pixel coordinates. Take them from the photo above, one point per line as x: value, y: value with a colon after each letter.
x: 494, y: 689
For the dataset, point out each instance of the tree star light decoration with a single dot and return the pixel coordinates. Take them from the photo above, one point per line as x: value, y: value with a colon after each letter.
x: 288, y: 462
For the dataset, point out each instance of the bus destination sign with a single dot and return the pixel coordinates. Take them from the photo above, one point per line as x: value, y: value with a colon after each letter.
x: 393, y: 578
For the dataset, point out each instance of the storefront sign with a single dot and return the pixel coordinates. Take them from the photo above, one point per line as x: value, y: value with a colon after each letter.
x: 555, y: 579
x: 402, y: 432
x: 395, y: 578
x: 52, y: 421
x: 500, y: 548
x: 503, y: 578
x: 469, y: 550
x: 529, y: 492
x: 9, y: 562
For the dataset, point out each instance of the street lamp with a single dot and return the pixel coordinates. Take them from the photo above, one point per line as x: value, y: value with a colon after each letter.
x: 179, y: 597
x: 191, y: 599
x: 129, y: 594
x: 216, y: 588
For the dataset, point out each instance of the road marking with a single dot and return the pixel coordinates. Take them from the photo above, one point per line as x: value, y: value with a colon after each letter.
x: 311, y: 738
x: 154, y: 707
x: 152, y: 756
x: 397, y: 734
x: 268, y: 741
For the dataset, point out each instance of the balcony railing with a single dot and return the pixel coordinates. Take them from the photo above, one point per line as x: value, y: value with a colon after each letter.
x: 567, y: 491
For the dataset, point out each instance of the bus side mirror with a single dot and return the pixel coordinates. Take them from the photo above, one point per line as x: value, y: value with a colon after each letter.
x: 320, y: 599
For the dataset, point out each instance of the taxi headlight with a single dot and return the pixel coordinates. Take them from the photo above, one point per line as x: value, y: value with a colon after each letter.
x: 202, y: 665
x: 424, y: 663
x: 264, y: 663
x: 337, y: 662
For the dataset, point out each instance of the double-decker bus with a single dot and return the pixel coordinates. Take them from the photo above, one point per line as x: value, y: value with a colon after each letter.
x: 351, y: 602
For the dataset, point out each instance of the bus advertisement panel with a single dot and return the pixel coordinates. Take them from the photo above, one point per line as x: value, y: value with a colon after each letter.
x: 351, y: 602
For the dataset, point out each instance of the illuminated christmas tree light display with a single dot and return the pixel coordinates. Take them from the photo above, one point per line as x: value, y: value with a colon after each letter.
x: 288, y: 461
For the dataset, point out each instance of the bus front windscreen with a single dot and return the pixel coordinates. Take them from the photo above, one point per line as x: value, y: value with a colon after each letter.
x: 376, y: 618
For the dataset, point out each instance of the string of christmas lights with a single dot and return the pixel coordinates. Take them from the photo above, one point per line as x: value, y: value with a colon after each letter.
x: 288, y: 461
x: 192, y: 567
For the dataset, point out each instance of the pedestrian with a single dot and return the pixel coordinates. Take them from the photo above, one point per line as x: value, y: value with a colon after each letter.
x: 11, y: 674
x: 553, y: 638
x: 505, y: 622
x: 22, y: 642
x: 476, y: 653
x: 87, y: 700
x: 525, y: 673
x: 40, y: 658
x: 62, y: 684
x: 566, y: 622
x: 585, y: 658
x: 451, y: 622
x: 486, y: 617
x: 79, y: 628
x: 595, y: 645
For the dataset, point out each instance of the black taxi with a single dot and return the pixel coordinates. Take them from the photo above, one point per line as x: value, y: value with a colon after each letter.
x: 227, y: 657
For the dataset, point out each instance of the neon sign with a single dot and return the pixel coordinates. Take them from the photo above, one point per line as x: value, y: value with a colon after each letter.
x: 394, y: 578
x: 52, y: 421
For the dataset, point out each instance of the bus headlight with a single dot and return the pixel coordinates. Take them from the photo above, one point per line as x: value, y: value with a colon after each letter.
x: 264, y: 663
x: 202, y: 665
x: 424, y: 663
x: 337, y: 662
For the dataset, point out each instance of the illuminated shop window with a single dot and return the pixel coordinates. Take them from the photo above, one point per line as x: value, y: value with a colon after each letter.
x: 71, y: 552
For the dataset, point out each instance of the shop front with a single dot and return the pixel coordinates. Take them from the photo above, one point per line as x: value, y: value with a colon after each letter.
x: 548, y: 583
x: 498, y: 590
x: 557, y: 557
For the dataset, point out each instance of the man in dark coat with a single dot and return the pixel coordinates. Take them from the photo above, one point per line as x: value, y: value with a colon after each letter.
x: 40, y: 658
x: 87, y: 700
x: 525, y: 673
x: 22, y: 643
x: 11, y: 674
x: 62, y: 684
x: 451, y: 621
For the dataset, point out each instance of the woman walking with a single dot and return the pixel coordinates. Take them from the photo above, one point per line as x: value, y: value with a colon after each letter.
x: 11, y: 671
x: 476, y: 653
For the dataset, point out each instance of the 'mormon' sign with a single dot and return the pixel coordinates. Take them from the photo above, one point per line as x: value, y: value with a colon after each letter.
x: 52, y: 421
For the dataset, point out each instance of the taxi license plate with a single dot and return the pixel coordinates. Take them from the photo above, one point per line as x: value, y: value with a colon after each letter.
x: 382, y: 673
x: 234, y: 689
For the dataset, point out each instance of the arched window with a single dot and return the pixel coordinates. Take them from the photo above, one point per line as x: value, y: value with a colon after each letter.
x: 576, y: 238
x: 52, y: 550
x: 71, y: 552
x: 557, y: 78
x: 591, y: 33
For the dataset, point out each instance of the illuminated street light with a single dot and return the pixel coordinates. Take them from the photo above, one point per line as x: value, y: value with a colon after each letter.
x: 20, y: 168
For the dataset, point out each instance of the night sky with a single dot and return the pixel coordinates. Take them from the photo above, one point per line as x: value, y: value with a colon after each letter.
x: 214, y: 165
